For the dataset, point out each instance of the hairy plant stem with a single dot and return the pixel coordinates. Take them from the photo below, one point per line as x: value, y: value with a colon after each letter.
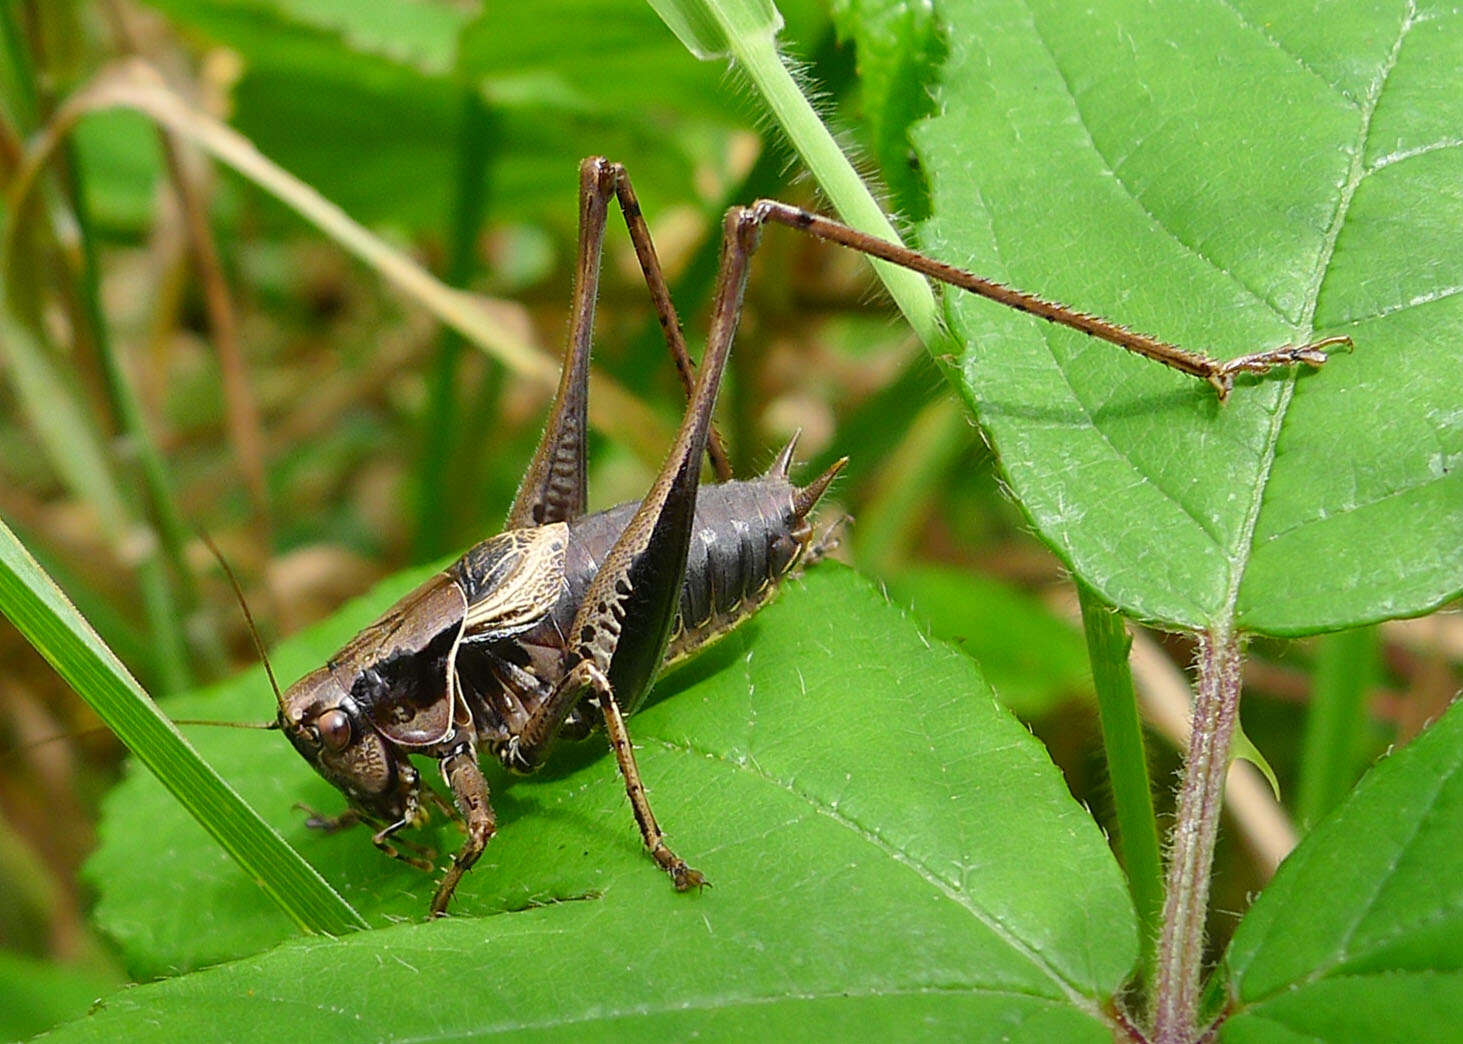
x: 1191, y: 849
x: 754, y: 46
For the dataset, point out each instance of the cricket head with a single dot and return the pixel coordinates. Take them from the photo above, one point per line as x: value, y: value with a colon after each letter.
x: 332, y: 733
x: 329, y: 729
x: 386, y: 693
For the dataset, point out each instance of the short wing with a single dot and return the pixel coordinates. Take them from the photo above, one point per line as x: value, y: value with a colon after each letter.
x: 399, y: 669
x: 512, y: 581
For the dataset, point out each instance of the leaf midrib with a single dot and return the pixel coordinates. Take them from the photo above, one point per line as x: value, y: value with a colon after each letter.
x: 1205, y: 526
x: 1244, y: 548
x: 713, y: 1004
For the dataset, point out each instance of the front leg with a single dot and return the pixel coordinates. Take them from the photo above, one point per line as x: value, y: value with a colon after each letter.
x: 328, y: 824
x: 470, y: 795
x: 419, y: 856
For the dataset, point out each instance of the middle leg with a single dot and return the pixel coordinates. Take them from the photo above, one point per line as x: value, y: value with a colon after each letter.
x: 587, y: 683
x: 683, y: 876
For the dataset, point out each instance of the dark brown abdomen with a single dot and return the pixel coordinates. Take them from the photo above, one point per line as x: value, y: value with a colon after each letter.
x: 746, y: 537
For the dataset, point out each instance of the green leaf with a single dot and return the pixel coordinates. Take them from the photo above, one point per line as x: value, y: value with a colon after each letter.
x: 40, y: 994
x: 289, y: 890
x: 1035, y: 661
x: 1227, y: 177
x: 885, y: 843
x: 528, y: 976
x: 1360, y: 935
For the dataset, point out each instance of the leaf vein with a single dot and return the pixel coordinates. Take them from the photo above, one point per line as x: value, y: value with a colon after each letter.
x: 1382, y: 162
x: 1200, y: 521
x: 725, y: 1003
x: 1401, y: 491
x: 1264, y: 34
x: 1421, y: 299
x: 947, y: 888
x: 1132, y: 193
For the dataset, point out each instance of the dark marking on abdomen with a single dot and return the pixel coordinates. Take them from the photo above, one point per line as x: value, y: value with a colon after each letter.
x: 745, y: 538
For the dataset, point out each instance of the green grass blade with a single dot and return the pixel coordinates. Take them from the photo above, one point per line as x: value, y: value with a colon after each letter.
x: 1331, y: 759
x: 42, y: 613
x: 1127, y: 765
x: 441, y: 424
x: 117, y: 624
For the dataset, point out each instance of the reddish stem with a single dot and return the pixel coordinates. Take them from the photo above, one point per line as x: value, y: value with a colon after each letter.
x: 1191, y: 850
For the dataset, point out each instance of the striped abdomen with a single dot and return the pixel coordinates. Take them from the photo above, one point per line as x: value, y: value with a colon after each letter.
x: 746, y: 537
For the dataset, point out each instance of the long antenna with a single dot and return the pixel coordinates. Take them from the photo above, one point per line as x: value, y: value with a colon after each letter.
x: 21, y: 748
x: 267, y: 725
x: 248, y: 618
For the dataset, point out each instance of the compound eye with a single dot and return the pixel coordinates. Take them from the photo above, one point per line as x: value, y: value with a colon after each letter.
x: 335, y: 729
